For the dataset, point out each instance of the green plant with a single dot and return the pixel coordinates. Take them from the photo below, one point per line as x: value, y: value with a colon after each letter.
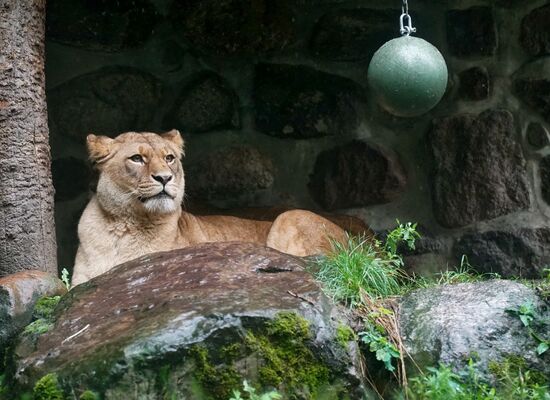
x: 89, y: 395
x: 65, y: 278
x: 365, y: 265
x: 47, y: 388
x: 380, y: 345
x: 514, y: 382
x: 533, y: 321
x: 273, y: 395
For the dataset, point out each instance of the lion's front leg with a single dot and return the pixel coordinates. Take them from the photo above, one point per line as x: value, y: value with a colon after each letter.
x: 303, y: 233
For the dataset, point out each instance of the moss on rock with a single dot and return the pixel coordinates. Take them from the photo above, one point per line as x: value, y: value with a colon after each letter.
x: 288, y: 363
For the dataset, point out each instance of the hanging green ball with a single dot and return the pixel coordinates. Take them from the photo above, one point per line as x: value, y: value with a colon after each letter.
x: 408, y: 76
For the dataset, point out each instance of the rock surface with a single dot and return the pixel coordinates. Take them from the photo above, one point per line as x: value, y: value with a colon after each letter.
x: 480, y: 170
x: 100, y: 25
x: 196, y: 322
x: 450, y: 324
x: 352, y: 34
x: 471, y: 32
x: 109, y: 101
x: 532, y: 85
x: 231, y: 171
x: 301, y: 102
x: 535, y: 37
x: 18, y: 294
x: 537, y: 136
x: 356, y: 174
x: 521, y: 253
x: 474, y: 84
x: 544, y: 172
x: 207, y: 103
x: 235, y: 27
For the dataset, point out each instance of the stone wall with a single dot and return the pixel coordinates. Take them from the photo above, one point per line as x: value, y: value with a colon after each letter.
x: 273, y: 102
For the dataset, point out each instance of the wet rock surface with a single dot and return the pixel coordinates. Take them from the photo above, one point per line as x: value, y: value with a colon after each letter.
x: 480, y: 171
x: 450, y: 324
x: 520, y: 253
x: 205, y: 104
x: 301, y: 102
x: 105, y: 102
x: 356, y: 174
x: 18, y: 294
x: 208, y: 316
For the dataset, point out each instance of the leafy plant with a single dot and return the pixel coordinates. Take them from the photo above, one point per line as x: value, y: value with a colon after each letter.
x: 365, y: 265
x: 252, y: 395
x: 65, y: 278
x: 531, y: 319
x: 380, y: 345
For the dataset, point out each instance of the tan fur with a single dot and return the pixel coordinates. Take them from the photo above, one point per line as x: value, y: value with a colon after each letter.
x: 129, y: 217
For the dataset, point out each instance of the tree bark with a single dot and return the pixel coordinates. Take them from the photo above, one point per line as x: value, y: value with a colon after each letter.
x: 27, y: 231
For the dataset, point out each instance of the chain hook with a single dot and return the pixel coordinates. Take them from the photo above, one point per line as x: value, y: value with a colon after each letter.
x: 405, y: 21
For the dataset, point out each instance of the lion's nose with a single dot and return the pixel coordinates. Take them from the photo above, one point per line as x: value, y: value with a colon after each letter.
x: 164, y: 179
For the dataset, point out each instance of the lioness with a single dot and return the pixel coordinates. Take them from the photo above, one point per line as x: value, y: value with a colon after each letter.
x: 137, y: 209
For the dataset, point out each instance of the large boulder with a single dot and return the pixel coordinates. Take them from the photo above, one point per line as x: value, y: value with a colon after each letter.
x: 19, y: 293
x: 454, y: 323
x: 479, y: 169
x: 356, y: 174
x: 516, y: 253
x: 193, y: 323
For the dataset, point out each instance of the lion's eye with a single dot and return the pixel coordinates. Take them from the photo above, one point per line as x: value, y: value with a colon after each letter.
x: 137, y: 158
x: 169, y: 158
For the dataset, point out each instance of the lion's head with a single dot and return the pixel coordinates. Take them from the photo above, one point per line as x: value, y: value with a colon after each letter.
x: 139, y: 172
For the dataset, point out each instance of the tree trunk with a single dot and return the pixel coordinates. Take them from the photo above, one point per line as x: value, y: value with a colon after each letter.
x: 27, y: 232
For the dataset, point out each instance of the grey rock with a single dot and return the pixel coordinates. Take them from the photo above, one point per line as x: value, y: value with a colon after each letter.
x: 480, y: 171
x: 452, y: 323
x: 471, y: 32
x: 301, y: 102
x: 518, y: 253
x: 100, y: 25
x: 535, y: 36
x: 356, y: 174
x: 207, y: 103
x: 235, y: 27
x: 197, y: 314
x: 229, y: 172
x: 352, y: 34
x: 19, y: 293
x: 106, y: 102
x: 544, y: 173
x: 537, y: 135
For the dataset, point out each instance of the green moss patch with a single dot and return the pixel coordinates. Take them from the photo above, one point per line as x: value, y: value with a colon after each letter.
x: 344, y: 335
x: 218, y: 381
x: 288, y: 363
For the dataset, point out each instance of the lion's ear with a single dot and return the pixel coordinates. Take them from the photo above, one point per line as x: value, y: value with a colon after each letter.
x: 99, y: 148
x: 174, y: 136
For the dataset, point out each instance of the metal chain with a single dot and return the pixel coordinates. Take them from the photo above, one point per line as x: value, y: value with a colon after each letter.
x: 405, y: 21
